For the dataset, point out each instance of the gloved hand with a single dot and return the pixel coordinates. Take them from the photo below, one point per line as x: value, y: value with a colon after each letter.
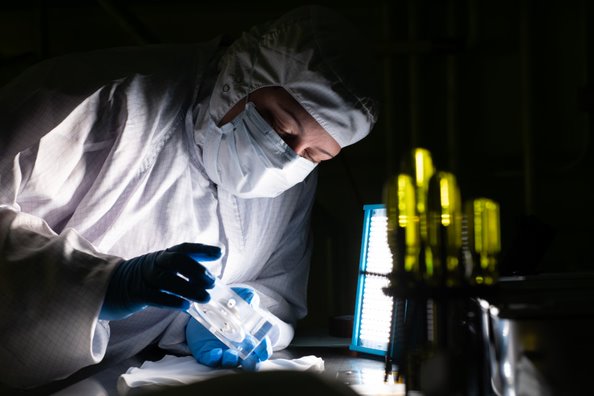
x: 208, y: 350
x: 154, y: 279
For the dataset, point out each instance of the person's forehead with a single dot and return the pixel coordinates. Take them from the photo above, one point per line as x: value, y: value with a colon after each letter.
x: 275, y: 94
x: 278, y: 98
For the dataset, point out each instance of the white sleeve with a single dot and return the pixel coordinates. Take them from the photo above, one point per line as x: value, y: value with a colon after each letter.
x: 51, y: 294
x: 53, y: 280
x: 52, y: 285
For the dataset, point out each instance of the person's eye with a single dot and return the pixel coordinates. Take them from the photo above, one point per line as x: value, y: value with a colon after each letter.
x: 283, y: 132
x: 281, y: 129
x: 308, y: 156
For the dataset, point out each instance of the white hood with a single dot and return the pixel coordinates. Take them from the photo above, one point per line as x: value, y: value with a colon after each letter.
x: 313, y: 54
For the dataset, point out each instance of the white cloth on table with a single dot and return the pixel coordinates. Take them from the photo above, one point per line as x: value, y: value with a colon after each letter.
x: 184, y: 370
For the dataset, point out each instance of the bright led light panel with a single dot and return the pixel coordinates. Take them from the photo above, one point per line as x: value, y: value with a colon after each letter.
x: 373, y: 308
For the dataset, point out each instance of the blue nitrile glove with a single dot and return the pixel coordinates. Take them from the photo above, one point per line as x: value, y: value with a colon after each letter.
x: 210, y: 351
x: 154, y: 279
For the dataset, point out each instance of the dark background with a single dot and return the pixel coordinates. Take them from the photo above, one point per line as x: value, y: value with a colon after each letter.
x: 500, y: 91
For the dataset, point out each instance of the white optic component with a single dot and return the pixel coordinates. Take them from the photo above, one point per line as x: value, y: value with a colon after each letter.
x: 231, y: 319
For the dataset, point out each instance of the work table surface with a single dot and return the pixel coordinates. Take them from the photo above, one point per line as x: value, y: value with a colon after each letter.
x: 364, y: 373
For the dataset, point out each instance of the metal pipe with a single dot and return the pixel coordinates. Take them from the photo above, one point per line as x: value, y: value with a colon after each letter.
x: 452, y: 94
x: 413, y: 80
x: 526, y: 106
x: 388, y: 85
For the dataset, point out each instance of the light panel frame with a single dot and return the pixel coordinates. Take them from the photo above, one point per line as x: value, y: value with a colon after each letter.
x: 362, y: 322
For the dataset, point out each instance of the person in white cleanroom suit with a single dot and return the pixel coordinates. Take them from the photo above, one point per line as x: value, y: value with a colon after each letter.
x: 110, y: 155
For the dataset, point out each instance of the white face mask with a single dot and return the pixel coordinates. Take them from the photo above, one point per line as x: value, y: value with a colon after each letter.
x: 247, y: 158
